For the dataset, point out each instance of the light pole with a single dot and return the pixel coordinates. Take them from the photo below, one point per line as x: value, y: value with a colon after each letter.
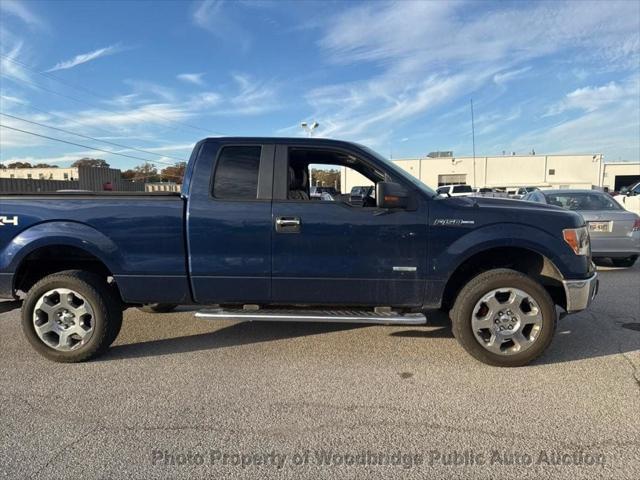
x: 473, y: 140
x: 309, y: 128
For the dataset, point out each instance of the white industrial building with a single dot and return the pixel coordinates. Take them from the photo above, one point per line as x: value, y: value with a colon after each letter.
x: 543, y: 171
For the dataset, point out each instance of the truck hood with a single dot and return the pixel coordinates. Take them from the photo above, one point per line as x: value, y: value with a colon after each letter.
x: 512, y: 203
x: 485, y: 210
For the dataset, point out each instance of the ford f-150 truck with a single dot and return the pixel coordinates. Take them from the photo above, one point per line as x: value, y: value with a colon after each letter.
x: 245, y: 240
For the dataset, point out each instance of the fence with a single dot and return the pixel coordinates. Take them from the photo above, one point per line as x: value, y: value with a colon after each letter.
x: 90, y: 178
x: 28, y: 185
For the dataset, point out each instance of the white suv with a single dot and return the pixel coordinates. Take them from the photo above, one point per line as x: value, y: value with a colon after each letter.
x: 455, y: 190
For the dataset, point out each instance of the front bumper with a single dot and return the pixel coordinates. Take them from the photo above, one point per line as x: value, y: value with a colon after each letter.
x: 579, y: 293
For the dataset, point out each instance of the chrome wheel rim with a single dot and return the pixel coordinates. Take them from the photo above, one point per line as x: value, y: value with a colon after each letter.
x: 63, y: 319
x: 506, y: 321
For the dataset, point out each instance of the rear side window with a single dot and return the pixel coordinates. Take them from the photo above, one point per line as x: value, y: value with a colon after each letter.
x: 236, y: 176
x: 462, y: 189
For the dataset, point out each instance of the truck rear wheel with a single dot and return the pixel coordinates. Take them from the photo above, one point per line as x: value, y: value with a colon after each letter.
x: 71, y: 316
x: 158, y: 307
x: 504, y: 318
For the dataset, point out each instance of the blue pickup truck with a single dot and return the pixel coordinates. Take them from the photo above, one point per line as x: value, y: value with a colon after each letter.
x: 246, y: 241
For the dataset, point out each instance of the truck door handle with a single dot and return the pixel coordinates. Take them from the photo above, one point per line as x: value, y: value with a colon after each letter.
x: 287, y: 224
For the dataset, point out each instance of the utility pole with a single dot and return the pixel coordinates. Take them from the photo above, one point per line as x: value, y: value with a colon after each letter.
x: 473, y: 142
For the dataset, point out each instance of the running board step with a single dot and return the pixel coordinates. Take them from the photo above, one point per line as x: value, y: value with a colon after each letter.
x: 329, y: 316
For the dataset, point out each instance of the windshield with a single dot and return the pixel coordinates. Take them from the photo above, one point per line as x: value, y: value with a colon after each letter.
x: 583, y: 201
x: 400, y: 172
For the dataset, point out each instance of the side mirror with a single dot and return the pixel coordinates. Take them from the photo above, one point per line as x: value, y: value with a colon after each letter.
x: 391, y: 195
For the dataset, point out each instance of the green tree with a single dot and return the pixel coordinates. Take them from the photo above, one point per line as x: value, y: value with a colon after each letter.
x: 128, y: 174
x: 20, y: 165
x: 174, y: 173
x: 326, y: 178
x: 146, y: 173
x: 90, y: 162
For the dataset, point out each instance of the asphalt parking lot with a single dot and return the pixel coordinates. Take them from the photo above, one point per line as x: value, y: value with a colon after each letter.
x: 179, y: 397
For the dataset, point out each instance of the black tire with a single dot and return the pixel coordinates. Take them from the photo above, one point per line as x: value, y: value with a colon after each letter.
x: 158, y: 307
x: 470, y: 295
x: 624, y: 262
x: 106, y: 319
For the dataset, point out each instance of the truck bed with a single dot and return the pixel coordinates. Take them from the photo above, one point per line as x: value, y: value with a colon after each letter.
x: 89, y: 194
x: 139, y: 236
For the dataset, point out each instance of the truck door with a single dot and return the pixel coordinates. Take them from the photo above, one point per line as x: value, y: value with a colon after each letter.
x: 229, y: 223
x: 338, y: 248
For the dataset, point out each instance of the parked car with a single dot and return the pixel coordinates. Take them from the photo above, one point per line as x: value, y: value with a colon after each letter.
x: 323, y: 193
x: 614, y: 231
x: 245, y: 235
x: 629, y: 198
x: 520, y: 192
x: 489, y: 192
x: 455, y: 190
x: 362, y: 196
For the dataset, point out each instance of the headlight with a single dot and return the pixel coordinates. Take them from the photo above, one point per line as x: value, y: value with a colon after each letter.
x: 577, y: 239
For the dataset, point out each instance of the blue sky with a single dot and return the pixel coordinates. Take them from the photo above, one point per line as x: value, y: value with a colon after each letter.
x: 397, y: 76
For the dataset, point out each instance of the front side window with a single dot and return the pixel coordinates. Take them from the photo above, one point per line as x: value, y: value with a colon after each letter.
x: 236, y: 174
x: 331, y: 176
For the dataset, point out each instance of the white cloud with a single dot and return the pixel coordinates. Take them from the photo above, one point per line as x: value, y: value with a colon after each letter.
x: 438, y: 33
x: 11, y: 49
x: 148, y: 92
x: 194, y: 78
x: 507, y: 76
x: 425, y: 54
x: 496, y: 120
x: 212, y: 16
x: 85, y: 57
x: 603, y: 119
x: 590, y: 99
x: 203, y: 100
x: 20, y: 10
x: 252, y: 97
x: 155, y: 113
x: 12, y: 99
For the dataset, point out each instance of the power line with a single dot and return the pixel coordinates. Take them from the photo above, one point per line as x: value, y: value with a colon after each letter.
x: 79, y: 144
x: 89, y: 91
x: 92, y: 138
x: 83, y: 102
x: 74, y: 122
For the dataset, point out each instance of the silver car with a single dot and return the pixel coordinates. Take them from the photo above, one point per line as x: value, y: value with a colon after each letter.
x: 614, y: 231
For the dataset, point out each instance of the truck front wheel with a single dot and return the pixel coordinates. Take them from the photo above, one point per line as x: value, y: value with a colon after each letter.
x: 504, y: 318
x: 71, y: 316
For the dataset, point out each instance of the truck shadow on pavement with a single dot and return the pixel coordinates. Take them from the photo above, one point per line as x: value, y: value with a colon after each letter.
x: 435, y: 318
x: 233, y: 335
x: 575, y: 339
x: 10, y: 305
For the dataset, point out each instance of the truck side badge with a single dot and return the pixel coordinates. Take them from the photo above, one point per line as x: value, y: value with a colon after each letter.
x: 4, y: 220
x: 452, y: 222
